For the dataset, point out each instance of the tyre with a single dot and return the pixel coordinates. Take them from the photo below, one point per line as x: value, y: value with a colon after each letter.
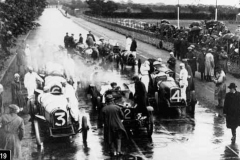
x: 31, y: 108
x: 37, y: 132
x: 84, y: 128
x: 150, y: 125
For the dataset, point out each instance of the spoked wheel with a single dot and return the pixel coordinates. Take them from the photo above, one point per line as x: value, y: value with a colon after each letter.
x: 150, y: 125
x: 37, y: 132
x: 84, y: 128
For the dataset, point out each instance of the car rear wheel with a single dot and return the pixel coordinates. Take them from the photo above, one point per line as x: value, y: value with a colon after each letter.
x: 150, y: 125
x: 37, y: 132
x: 84, y: 128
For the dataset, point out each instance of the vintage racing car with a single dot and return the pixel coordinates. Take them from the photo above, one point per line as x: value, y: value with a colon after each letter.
x: 124, y: 98
x: 51, y: 111
x: 167, y: 92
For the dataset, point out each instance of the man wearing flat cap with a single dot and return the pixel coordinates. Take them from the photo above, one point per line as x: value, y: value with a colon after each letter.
x: 232, y: 110
x: 12, y: 132
x: 113, y: 127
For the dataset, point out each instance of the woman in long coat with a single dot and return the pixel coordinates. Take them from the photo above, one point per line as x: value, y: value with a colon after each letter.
x: 12, y: 132
x: 209, y: 65
x: 232, y: 109
x: 17, y: 95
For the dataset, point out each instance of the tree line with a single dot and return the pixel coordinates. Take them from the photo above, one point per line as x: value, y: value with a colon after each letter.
x: 109, y: 8
x: 17, y: 17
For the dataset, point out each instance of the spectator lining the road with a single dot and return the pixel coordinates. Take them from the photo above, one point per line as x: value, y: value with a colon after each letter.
x: 209, y: 65
x: 12, y: 132
x: 66, y: 41
x: 80, y: 39
x: 232, y: 109
x: 220, y: 89
x: 17, y: 95
x: 223, y: 57
x: 201, y: 63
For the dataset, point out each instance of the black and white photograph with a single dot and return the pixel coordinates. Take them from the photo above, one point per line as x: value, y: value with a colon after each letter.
x: 119, y: 79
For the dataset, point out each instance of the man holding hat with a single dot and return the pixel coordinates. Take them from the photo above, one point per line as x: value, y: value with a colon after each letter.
x: 113, y: 127
x: 232, y: 109
x: 12, y: 132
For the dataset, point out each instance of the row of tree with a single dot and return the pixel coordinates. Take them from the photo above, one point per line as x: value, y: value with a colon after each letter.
x: 109, y: 8
x: 16, y: 18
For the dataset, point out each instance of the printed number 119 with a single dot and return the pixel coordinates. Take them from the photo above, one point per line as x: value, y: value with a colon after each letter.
x: 5, y: 155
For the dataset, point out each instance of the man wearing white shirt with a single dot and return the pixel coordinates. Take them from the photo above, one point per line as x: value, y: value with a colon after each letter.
x: 70, y: 95
x: 145, y: 75
x: 30, y: 81
x: 128, y: 43
x: 183, y: 82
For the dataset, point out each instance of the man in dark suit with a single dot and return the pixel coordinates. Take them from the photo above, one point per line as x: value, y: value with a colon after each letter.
x: 232, y: 109
x: 113, y: 127
x: 90, y: 34
x: 80, y: 39
x: 140, y: 96
x: 66, y: 41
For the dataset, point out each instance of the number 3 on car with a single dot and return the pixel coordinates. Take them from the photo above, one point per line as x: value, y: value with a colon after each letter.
x: 175, y: 95
x: 60, y: 118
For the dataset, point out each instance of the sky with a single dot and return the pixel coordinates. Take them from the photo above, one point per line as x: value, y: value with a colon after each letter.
x: 172, y: 2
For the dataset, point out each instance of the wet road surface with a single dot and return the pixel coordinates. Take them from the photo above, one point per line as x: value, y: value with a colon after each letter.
x: 203, y: 137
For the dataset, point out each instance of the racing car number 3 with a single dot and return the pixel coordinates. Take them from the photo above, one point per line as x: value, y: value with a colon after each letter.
x: 60, y: 118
